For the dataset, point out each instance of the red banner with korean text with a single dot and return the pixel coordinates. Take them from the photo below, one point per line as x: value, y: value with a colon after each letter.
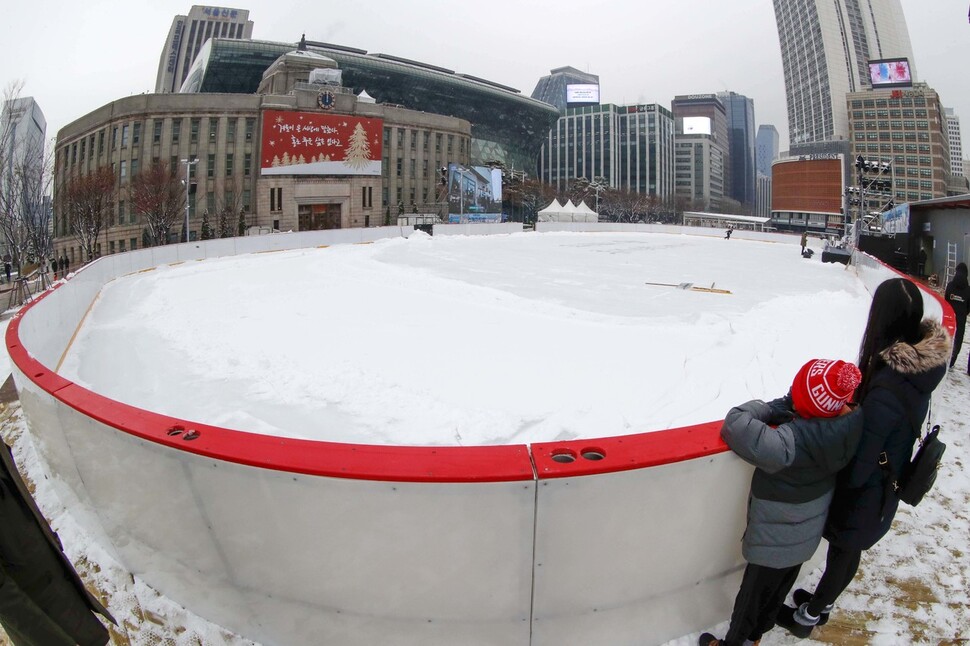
x: 311, y: 143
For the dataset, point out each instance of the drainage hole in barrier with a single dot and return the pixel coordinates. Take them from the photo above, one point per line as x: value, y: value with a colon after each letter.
x: 564, y: 456
x: 593, y: 454
x: 175, y: 430
x: 191, y: 435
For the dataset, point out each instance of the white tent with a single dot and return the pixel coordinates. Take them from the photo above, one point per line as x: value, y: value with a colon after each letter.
x: 585, y: 214
x: 567, y: 213
x: 550, y: 213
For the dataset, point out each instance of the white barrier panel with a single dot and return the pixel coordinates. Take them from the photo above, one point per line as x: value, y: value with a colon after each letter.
x: 476, y: 228
x: 673, y: 229
x: 624, y: 540
x: 639, y: 557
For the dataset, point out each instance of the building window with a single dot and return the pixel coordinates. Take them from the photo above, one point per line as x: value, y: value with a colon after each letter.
x: 136, y: 134
x: 133, y: 243
x: 228, y: 164
x: 247, y: 164
x: 121, y: 211
x: 123, y: 173
x: 250, y: 125
x: 134, y: 167
x: 114, y: 138
x: 194, y: 126
x: 210, y: 169
x: 101, y: 142
x: 213, y: 129
x: 176, y: 130
x: 276, y: 199
x: 247, y: 200
x: 367, y: 196
x: 210, y: 202
x: 121, y: 246
x: 157, y: 132
x: 231, y: 130
x: 124, y: 136
x: 111, y: 247
x: 437, y: 143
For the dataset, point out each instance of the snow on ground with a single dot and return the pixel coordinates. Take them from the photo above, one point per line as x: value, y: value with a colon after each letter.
x: 912, y: 587
x: 469, y: 340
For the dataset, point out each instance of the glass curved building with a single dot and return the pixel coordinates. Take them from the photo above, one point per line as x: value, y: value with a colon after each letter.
x: 507, y: 127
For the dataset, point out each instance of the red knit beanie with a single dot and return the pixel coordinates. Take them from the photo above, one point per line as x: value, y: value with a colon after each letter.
x: 823, y: 386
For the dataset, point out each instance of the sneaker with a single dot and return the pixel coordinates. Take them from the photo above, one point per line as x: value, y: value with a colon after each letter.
x: 801, y: 596
x: 707, y: 639
x: 786, y: 619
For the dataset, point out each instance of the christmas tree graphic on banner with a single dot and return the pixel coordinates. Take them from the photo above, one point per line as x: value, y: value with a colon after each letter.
x: 357, y: 154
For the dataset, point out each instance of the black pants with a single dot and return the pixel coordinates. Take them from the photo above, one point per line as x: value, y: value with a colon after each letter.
x: 958, y: 340
x: 840, y: 568
x: 763, y: 590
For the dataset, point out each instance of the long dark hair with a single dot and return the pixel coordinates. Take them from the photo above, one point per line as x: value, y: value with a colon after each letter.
x: 895, y: 315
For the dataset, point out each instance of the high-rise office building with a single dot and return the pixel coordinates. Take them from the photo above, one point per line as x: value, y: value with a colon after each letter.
x: 23, y: 129
x: 553, y: 89
x: 767, y: 148
x: 956, y: 141
x: 907, y: 129
x: 631, y: 147
x: 701, y: 155
x: 189, y: 33
x: 825, y: 50
x: 739, y: 111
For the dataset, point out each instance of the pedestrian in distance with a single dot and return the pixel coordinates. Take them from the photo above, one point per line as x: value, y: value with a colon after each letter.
x: 902, y: 358
x: 727, y: 234
x: 6, y: 270
x: 957, y: 294
x: 795, y: 469
x: 804, y: 241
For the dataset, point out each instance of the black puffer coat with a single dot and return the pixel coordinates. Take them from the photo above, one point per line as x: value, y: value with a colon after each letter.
x: 861, y: 511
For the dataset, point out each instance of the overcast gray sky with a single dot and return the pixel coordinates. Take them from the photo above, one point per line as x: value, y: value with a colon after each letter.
x: 77, y: 56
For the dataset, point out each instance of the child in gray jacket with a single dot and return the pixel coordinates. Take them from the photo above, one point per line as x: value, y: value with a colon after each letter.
x: 796, y: 463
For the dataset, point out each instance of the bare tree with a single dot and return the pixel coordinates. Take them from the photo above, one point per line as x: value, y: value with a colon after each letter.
x: 87, y: 199
x: 159, y: 195
x: 229, y: 210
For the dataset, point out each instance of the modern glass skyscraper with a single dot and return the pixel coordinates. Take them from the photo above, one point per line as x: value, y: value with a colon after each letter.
x: 628, y: 146
x: 767, y: 148
x: 739, y: 110
x: 551, y: 89
x: 825, y: 49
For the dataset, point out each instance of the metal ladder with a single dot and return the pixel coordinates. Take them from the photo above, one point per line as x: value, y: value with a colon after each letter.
x: 951, y: 263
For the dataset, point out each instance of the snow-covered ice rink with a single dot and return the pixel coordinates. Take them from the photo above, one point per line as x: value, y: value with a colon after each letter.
x: 469, y: 340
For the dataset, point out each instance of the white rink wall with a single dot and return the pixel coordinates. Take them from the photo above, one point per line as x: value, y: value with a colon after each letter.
x: 293, y: 541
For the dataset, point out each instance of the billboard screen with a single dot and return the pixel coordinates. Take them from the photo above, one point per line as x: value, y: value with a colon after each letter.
x: 697, y: 125
x: 582, y: 94
x: 311, y: 143
x: 474, y: 194
x: 890, y: 72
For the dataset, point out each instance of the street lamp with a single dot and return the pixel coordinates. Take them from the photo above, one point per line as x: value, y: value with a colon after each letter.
x: 188, y: 163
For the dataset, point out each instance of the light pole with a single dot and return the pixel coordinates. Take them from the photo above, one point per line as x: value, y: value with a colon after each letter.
x: 188, y: 163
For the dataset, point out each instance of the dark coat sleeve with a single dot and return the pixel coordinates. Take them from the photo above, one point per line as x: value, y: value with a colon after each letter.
x: 24, y: 621
x: 883, y: 414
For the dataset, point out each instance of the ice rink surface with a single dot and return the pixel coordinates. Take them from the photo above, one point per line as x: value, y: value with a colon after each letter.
x: 469, y: 340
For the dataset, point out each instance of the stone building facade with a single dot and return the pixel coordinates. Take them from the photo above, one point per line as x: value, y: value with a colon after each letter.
x: 225, y: 133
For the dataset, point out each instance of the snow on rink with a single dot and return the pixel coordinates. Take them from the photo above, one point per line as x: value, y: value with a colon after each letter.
x: 469, y: 340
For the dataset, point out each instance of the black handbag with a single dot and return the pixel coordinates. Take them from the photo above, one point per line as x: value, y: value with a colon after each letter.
x: 919, y: 474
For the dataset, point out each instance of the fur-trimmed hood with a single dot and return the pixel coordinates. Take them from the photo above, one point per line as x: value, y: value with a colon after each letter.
x: 932, y: 350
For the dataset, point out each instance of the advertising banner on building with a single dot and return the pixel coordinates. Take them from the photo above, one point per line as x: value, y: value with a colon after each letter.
x: 311, y: 143
x: 896, y: 220
x: 474, y: 194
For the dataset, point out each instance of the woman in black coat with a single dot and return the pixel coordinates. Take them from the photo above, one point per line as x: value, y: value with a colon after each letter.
x: 958, y: 296
x: 902, y: 359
